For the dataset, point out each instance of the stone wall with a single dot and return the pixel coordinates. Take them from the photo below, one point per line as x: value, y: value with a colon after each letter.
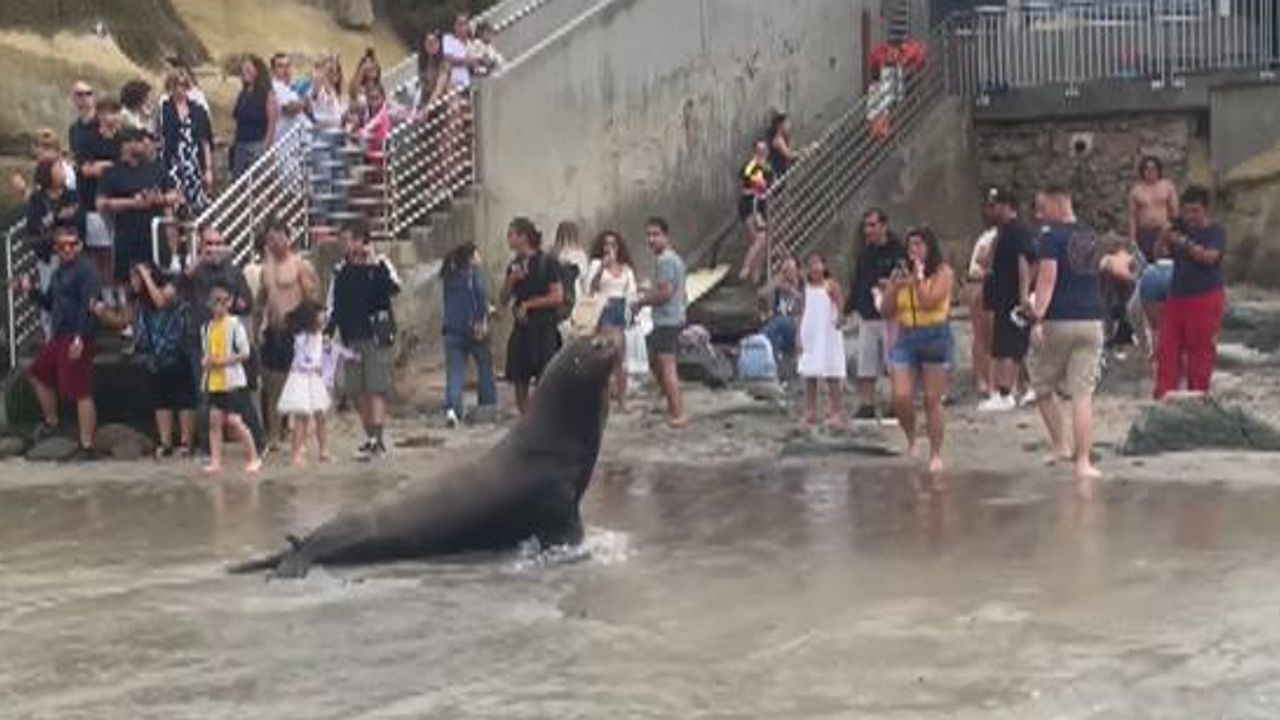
x: 1095, y: 157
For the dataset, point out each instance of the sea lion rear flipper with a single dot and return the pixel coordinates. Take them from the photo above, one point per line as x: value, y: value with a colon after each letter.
x: 294, y: 565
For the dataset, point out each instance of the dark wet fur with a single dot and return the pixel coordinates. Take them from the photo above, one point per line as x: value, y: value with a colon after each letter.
x: 529, y: 485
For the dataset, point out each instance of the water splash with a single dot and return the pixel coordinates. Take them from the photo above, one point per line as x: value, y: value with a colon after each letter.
x: 602, y: 546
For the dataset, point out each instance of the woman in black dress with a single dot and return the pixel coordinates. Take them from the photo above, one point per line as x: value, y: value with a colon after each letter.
x: 535, y: 292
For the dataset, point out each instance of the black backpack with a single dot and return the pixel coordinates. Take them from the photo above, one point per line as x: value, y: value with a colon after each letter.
x: 569, y: 281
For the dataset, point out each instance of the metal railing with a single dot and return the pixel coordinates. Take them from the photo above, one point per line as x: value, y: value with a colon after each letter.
x: 23, y: 320
x: 806, y: 200
x: 275, y: 186
x: 996, y: 49
x: 430, y: 159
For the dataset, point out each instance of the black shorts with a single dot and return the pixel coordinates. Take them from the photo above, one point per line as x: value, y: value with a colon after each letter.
x: 232, y: 402
x: 749, y: 205
x: 129, y: 251
x: 664, y: 341
x: 1009, y: 342
x: 277, y: 350
x: 173, y: 388
x: 530, y: 349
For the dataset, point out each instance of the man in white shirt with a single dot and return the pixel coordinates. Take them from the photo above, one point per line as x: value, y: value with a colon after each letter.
x: 292, y: 105
x: 455, y: 49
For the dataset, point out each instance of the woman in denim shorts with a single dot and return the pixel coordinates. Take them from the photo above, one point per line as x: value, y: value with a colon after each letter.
x: 919, y: 301
x: 611, y: 278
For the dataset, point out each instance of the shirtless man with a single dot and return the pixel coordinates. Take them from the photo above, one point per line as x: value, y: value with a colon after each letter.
x: 287, y: 280
x: 1153, y: 203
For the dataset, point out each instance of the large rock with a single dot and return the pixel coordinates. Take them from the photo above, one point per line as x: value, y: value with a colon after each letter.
x: 730, y: 312
x: 11, y: 446
x: 1194, y: 423
x: 354, y: 14
x: 53, y: 449
x: 122, y: 442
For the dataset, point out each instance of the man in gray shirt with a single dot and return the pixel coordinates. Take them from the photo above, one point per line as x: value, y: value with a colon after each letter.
x: 669, y: 302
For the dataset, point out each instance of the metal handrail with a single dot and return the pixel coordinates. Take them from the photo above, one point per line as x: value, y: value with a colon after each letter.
x: 430, y: 159
x: 23, y: 321
x: 827, y: 174
x: 274, y: 186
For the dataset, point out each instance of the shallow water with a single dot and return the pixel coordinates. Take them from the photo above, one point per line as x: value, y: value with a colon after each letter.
x: 785, y: 591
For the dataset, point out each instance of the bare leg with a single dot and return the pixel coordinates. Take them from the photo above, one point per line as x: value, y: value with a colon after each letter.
x: 1082, y: 428
x: 216, y: 422
x: 187, y: 427
x: 904, y: 405
x: 298, y: 440
x: 87, y: 415
x: 322, y: 438
x: 48, y: 400
x: 241, y: 432
x: 671, y: 387
x: 835, y: 389
x: 866, y: 392
x: 164, y: 428
x: 1051, y: 411
x: 935, y: 388
x: 522, y: 397
x: 620, y: 369
x: 811, y: 401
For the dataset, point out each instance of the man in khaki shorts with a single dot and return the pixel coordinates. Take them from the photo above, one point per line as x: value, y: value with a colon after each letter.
x: 1067, y: 334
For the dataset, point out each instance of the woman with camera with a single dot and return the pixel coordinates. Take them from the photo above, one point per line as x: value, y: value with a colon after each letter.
x: 466, y: 330
x: 918, y: 299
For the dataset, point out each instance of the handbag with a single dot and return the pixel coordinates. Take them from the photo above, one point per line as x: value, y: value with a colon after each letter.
x: 384, y: 328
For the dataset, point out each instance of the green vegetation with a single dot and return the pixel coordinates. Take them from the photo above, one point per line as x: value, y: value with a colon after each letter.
x: 146, y: 30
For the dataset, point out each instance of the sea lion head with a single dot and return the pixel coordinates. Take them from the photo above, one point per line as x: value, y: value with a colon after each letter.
x: 572, y: 395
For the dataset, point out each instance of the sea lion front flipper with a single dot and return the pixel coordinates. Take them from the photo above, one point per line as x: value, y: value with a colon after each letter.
x: 562, y: 527
x: 293, y: 566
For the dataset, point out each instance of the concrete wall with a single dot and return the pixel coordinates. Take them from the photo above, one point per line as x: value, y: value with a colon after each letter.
x: 650, y: 106
x: 1244, y: 122
x: 929, y: 180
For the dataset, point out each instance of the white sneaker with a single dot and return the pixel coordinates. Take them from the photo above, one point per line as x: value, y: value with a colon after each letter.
x: 451, y: 419
x: 998, y: 403
x: 1028, y: 399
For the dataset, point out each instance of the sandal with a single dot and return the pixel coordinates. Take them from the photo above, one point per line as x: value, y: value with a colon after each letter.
x: 164, y: 452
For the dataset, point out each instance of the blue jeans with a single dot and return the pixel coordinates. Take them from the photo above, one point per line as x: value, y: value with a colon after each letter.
x: 457, y: 348
x: 781, y: 331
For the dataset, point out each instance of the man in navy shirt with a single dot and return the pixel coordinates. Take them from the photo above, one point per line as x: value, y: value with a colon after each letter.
x: 1188, y: 345
x: 1067, y: 332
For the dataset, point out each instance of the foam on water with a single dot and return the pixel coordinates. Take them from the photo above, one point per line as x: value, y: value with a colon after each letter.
x: 603, y: 546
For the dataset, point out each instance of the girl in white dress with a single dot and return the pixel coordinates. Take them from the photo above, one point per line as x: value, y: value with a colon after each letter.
x: 305, y: 398
x: 820, y: 342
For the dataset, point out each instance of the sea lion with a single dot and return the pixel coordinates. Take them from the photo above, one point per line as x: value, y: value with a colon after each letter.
x: 527, y: 486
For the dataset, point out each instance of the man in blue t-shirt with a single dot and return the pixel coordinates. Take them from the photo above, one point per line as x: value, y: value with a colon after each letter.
x: 669, y: 301
x: 1067, y: 333
x: 1188, y: 345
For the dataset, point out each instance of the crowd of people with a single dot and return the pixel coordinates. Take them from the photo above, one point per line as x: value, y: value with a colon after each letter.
x: 1044, y: 304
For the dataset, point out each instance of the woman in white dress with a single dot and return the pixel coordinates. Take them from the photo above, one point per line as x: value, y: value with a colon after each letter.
x: 820, y: 342
x: 305, y: 398
x: 612, y: 280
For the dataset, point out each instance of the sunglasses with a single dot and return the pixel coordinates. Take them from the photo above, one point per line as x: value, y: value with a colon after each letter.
x: 217, y: 300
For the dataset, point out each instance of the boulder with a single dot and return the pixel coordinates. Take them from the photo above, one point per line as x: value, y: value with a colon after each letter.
x: 701, y: 362
x: 354, y: 14
x: 53, y: 449
x: 122, y: 442
x: 11, y: 446
x: 730, y: 312
x: 1198, y: 423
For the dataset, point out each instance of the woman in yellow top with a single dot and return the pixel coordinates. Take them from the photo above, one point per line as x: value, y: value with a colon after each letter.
x: 918, y: 299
